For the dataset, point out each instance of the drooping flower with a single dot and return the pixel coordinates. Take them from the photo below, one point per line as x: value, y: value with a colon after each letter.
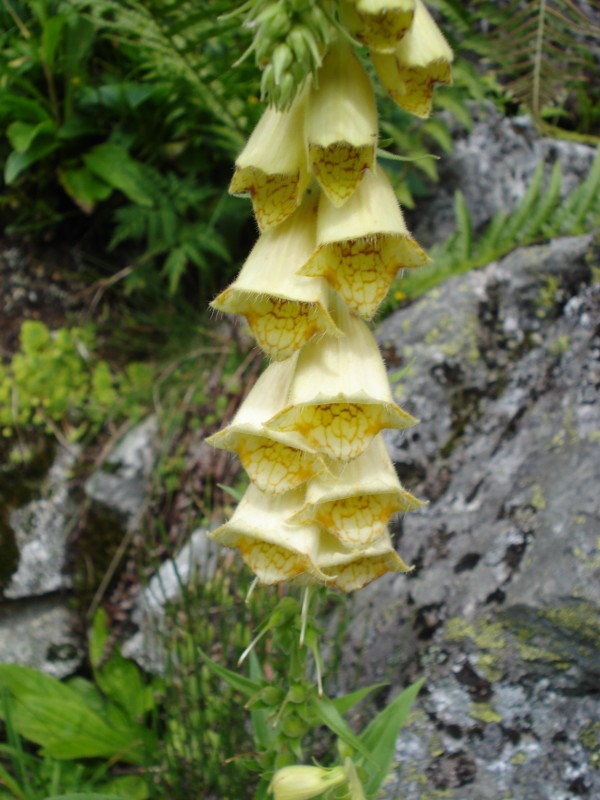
x: 355, y: 501
x: 341, y: 124
x: 350, y: 570
x: 304, y: 782
x: 339, y: 397
x: 361, y: 246
x: 284, y: 309
x: 273, y: 549
x: 421, y: 59
x: 275, y: 461
x: 272, y: 167
x: 379, y: 24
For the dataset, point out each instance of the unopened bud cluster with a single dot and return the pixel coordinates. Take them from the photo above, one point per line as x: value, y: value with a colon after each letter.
x: 332, y: 240
x: 290, y: 37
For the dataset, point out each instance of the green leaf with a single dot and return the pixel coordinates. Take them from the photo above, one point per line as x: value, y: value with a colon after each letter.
x: 50, y: 39
x: 53, y: 715
x: 113, y: 164
x: 84, y: 187
x: 16, y: 163
x: 236, y: 681
x: 264, y: 733
x: 379, y: 737
x: 464, y: 228
x: 84, y: 796
x: 327, y: 713
x: 348, y: 701
x: 21, y: 135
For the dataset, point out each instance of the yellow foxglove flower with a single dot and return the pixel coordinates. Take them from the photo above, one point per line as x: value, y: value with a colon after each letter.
x: 350, y: 570
x: 422, y: 59
x: 379, y: 24
x: 283, y: 309
x: 304, y: 783
x: 274, y: 550
x: 340, y: 397
x: 356, y: 500
x: 272, y: 167
x: 341, y: 124
x: 275, y: 461
x: 361, y: 246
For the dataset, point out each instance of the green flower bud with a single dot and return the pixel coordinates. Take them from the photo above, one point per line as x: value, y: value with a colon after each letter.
x: 294, y: 727
x: 281, y: 59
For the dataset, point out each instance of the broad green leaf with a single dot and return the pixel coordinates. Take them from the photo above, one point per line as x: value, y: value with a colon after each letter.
x: 379, y: 737
x: 51, y: 35
x: 84, y: 797
x: 21, y: 135
x: 113, y: 164
x: 348, y: 701
x: 120, y: 679
x: 238, y: 682
x: 327, y: 713
x: 84, y: 187
x: 16, y: 163
x: 133, y: 787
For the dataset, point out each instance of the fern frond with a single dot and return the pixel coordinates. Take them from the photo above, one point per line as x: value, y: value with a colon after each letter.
x: 539, y: 48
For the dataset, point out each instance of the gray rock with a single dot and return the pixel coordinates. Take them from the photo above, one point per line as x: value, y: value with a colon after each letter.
x: 493, y: 165
x: 197, y: 558
x: 40, y: 634
x: 41, y: 528
x: 502, y: 612
x: 121, y: 483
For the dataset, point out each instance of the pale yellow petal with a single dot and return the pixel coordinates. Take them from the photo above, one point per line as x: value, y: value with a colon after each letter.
x: 274, y: 550
x: 355, y: 501
x: 422, y: 59
x: 341, y: 124
x: 284, y: 309
x: 361, y: 246
x: 275, y: 461
x: 340, y: 397
x: 351, y: 570
x: 272, y: 168
x: 379, y: 24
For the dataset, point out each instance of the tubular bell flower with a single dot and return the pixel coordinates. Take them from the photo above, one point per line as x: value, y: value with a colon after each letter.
x: 274, y: 550
x: 341, y: 124
x: 422, y: 59
x: 350, y: 570
x: 283, y: 309
x: 340, y: 397
x: 276, y: 462
x: 272, y: 167
x: 356, y: 500
x: 304, y: 783
x: 379, y: 24
x: 361, y: 246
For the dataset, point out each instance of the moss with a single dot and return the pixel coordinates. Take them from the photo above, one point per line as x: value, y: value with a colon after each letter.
x: 538, y: 501
x: 594, y: 436
x: 547, y: 297
x: 488, y: 664
x: 560, y: 345
x: 458, y: 629
x: 518, y: 758
x: 484, y: 713
x: 590, y: 739
x: 485, y: 634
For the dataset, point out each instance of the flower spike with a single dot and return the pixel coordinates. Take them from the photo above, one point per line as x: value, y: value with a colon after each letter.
x: 283, y: 309
x: 422, y: 59
x: 341, y: 124
x: 361, y: 246
x: 340, y: 397
x: 272, y: 167
x: 276, y: 462
x: 379, y: 24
